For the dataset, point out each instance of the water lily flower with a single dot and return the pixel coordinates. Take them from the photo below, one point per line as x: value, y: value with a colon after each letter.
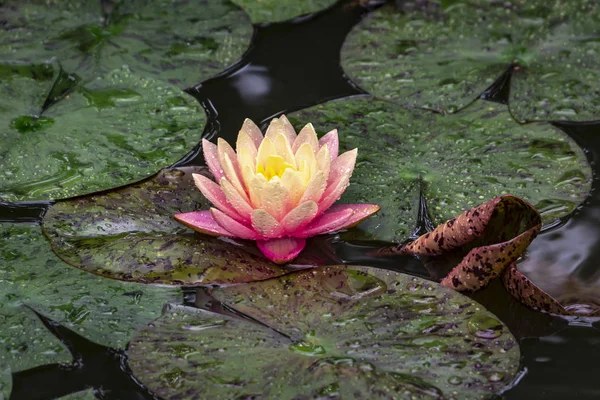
x: 278, y: 189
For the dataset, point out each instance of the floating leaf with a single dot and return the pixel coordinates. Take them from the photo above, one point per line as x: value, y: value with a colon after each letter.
x: 343, y: 332
x: 461, y: 159
x: 425, y: 54
x: 5, y: 384
x: 182, y: 42
x: 103, y: 310
x: 24, y: 341
x: 278, y: 10
x: 130, y: 234
x: 491, y: 237
x: 117, y: 129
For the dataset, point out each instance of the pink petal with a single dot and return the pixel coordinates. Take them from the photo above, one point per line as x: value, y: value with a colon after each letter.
x: 237, y: 229
x: 211, y: 156
x: 231, y: 167
x: 203, y: 222
x: 282, y: 250
x: 361, y: 212
x: 238, y: 203
x: 215, y: 195
x: 265, y: 224
x: 328, y: 222
x: 299, y: 216
x: 252, y: 130
x: 339, y: 179
x: 332, y: 142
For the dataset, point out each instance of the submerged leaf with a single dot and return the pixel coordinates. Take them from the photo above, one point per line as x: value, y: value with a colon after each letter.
x: 118, y: 129
x: 458, y: 160
x: 280, y: 10
x: 130, y: 234
x: 425, y: 54
x: 180, y: 42
x: 343, y: 332
x: 104, y: 311
x: 491, y: 237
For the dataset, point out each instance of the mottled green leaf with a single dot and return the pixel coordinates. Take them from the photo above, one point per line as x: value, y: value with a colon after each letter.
x: 443, y: 56
x: 280, y: 10
x: 179, y: 41
x: 24, y: 341
x: 5, y: 384
x: 489, y: 238
x: 130, y: 234
x: 334, y: 332
x: 461, y: 159
x: 118, y: 129
x: 103, y: 310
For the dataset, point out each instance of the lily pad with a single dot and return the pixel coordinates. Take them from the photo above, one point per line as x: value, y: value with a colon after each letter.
x: 5, y: 384
x: 279, y: 10
x: 24, y: 341
x: 424, y: 54
x: 458, y: 160
x: 130, y: 234
x: 116, y: 130
x: 335, y: 332
x: 104, y: 311
x: 489, y: 238
x: 176, y: 41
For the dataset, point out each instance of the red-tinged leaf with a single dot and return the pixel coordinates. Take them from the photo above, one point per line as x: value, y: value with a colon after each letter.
x: 492, y: 235
x: 528, y: 293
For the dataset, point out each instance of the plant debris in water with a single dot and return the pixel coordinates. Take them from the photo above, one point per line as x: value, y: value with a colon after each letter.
x: 348, y: 332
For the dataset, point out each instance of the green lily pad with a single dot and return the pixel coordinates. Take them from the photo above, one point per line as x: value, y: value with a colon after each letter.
x: 130, y: 234
x: 461, y: 159
x: 116, y: 130
x: 104, y: 311
x: 424, y: 54
x: 335, y: 332
x: 280, y: 10
x: 182, y: 42
x: 5, y: 384
x: 24, y: 341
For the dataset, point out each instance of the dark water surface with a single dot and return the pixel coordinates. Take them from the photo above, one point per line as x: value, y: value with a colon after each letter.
x: 296, y: 64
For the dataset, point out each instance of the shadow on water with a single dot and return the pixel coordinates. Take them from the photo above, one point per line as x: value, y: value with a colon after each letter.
x: 296, y: 64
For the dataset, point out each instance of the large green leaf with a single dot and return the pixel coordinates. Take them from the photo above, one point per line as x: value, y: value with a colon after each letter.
x: 24, y: 341
x: 5, y: 384
x: 130, y: 234
x: 103, y: 310
x: 443, y: 55
x: 461, y: 159
x: 280, y: 10
x: 335, y: 332
x: 117, y: 129
x: 179, y: 41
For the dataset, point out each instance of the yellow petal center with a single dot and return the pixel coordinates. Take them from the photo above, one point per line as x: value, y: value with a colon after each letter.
x: 273, y: 166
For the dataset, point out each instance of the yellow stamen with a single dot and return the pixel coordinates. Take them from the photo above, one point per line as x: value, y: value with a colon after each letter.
x: 274, y: 166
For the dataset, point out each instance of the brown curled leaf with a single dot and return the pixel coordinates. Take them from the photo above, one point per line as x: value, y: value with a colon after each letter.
x: 488, y: 237
x: 531, y: 295
x: 528, y: 293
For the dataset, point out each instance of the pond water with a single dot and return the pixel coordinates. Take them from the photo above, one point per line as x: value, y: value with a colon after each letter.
x: 291, y: 66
